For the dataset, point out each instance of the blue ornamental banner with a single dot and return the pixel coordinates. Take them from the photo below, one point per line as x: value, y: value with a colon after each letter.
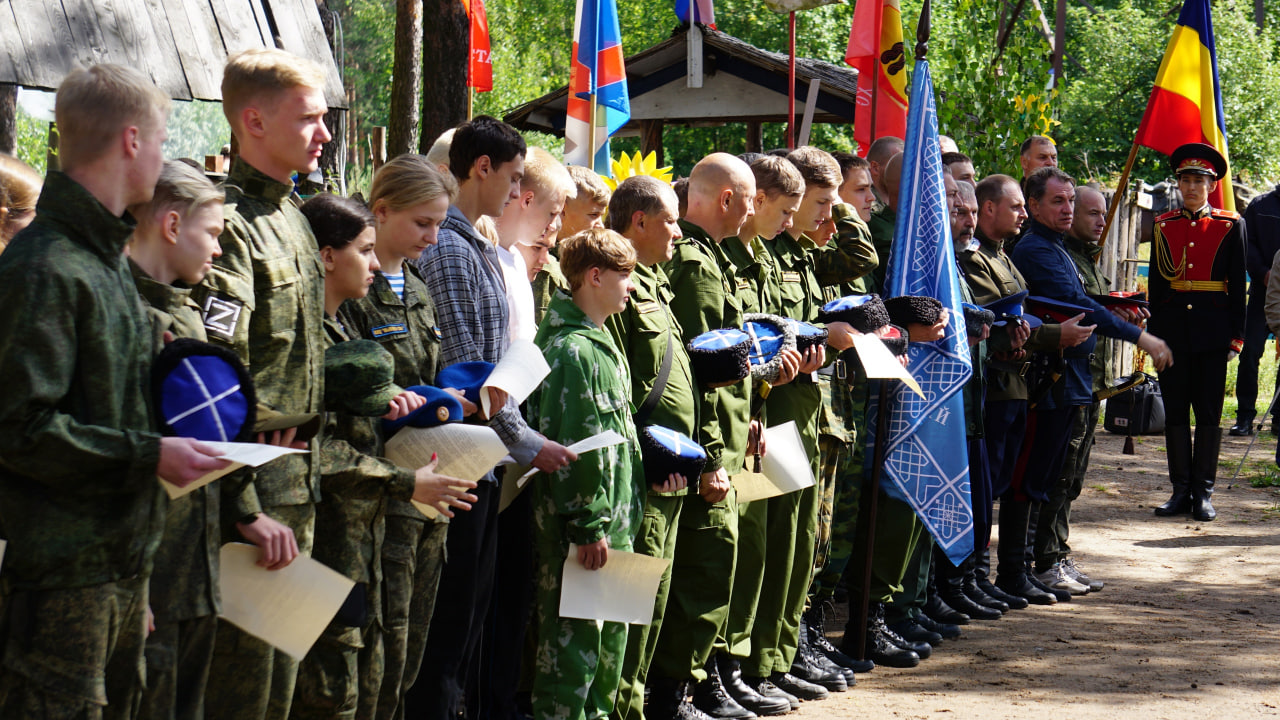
x: 926, y: 450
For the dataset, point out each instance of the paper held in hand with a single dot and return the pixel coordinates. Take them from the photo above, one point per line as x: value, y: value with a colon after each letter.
x: 785, y: 465
x: 511, y: 490
x: 286, y: 608
x: 240, y: 455
x: 880, y: 363
x: 518, y: 374
x: 621, y: 591
x: 466, y: 452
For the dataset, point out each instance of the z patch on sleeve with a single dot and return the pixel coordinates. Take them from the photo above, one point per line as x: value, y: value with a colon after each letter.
x: 221, y: 317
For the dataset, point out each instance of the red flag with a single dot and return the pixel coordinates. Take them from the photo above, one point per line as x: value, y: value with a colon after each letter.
x: 479, y: 65
x: 876, y: 51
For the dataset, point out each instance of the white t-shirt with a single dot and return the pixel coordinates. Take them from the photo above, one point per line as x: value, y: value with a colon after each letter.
x: 520, y: 307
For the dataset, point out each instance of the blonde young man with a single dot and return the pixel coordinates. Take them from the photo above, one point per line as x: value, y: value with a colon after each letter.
x: 264, y: 298
x: 586, y: 207
x: 83, y: 513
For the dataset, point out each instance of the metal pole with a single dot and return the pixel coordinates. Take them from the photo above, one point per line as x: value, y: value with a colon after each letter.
x: 791, y: 84
x: 871, y: 496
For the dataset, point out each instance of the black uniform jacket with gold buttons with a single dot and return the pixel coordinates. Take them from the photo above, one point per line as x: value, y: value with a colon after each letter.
x: 1197, y: 280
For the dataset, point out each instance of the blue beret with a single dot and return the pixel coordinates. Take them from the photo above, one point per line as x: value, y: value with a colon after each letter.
x: 468, y: 377
x: 440, y: 408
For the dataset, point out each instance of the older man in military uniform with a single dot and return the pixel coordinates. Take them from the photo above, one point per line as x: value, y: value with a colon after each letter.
x: 1198, y: 302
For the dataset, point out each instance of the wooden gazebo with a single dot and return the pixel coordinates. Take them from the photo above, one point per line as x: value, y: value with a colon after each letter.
x: 701, y: 76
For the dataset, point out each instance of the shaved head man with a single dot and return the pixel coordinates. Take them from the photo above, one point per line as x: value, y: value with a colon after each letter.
x: 1090, y: 215
x: 891, y: 179
x: 721, y: 192
x: 878, y: 156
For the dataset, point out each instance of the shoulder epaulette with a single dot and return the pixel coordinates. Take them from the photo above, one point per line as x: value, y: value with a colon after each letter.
x: 1226, y: 214
x: 1169, y: 215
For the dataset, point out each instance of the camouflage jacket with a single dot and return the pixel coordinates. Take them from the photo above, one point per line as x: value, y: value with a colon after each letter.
x: 587, y: 392
x: 406, y: 327
x: 1095, y: 283
x: 545, y: 284
x: 79, y: 501
x: 881, y: 224
x: 842, y: 265
x: 187, y: 559
x: 264, y: 298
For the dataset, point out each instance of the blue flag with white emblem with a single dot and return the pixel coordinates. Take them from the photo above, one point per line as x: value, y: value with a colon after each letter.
x: 926, y: 450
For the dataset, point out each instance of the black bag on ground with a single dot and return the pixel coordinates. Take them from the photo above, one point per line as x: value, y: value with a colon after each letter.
x: 1139, y: 411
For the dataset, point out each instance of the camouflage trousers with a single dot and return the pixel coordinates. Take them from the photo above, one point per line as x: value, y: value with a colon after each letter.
x: 412, y: 559
x: 178, y: 654
x: 250, y: 679
x: 340, y: 677
x: 840, y: 484
x: 75, y: 654
x: 578, y: 663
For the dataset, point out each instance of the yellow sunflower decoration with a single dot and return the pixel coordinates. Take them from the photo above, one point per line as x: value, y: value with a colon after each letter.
x: 631, y: 166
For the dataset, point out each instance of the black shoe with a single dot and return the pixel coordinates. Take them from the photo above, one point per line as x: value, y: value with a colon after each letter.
x: 810, y: 660
x: 946, y: 630
x: 923, y: 650
x: 1015, y: 602
x: 1059, y: 595
x: 802, y: 689
x: 668, y: 700
x: 768, y: 690
x: 711, y: 697
x: 1178, y: 504
x: 829, y: 677
x: 1202, y: 509
x: 935, y: 608
x: 815, y: 622
x: 911, y: 631
x: 971, y: 590
x: 742, y: 692
x: 879, y: 646
x: 1241, y: 429
x: 961, y: 603
x: 1021, y: 586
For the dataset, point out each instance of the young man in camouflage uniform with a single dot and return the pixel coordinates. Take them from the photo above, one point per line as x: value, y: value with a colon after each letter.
x: 79, y: 454
x: 264, y: 299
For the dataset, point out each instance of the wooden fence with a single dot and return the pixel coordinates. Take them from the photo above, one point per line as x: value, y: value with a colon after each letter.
x: 1119, y: 261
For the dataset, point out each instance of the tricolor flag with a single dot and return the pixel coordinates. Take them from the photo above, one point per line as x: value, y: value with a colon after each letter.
x: 597, y: 69
x: 696, y: 11
x: 875, y: 49
x: 926, y: 457
x: 1186, y: 102
x: 479, y: 65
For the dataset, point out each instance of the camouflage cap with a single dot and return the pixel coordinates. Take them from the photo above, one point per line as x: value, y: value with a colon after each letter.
x: 359, y: 378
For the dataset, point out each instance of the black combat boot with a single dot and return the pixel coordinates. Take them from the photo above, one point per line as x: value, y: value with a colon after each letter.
x: 743, y: 693
x: 1177, y: 443
x: 883, y: 645
x: 668, y: 700
x: 1204, y: 472
x: 711, y: 697
x: 816, y: 625
x: 1011, y: 574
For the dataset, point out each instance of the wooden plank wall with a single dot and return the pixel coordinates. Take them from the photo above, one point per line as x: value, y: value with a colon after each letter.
x: 180, y: 44
x: 1118, y: 252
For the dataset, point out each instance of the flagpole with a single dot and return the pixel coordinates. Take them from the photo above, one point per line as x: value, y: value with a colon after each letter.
x: 875, y: 80
x: 882, y: 419
x: 1115, y: 199
x: 591, y: 134
x: 471, y: 102
x: 791, y: 85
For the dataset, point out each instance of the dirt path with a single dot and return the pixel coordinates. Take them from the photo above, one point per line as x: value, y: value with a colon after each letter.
x: 1187, y: 627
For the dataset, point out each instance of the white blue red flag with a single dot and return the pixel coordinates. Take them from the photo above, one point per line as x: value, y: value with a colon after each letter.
x: 696, y: 11
x: 926, y: 451
x: 597, y: 69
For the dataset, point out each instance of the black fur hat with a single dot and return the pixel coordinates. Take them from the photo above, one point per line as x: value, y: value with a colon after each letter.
x: 720, y: 357
x: 770, y: 336
x: 906, y: 310
x: 896, y: 340
x: 665, y: 451
x: 866, y: 313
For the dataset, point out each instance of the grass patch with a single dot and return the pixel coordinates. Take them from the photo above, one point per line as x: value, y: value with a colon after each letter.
x: 1269, y: 477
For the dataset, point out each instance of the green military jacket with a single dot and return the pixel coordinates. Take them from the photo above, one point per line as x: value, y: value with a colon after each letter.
x: 799, y: 297
x: 588, y: 392
x: 406, y: 327
x: 705, y: 298
x: 350, y: 518
x: 187, y: 558
x: 1085, y: 255
x: 79, y: 501
x: 264, y: 299
x: 754, y: 272
x: 976, y: 389
x: 881, y: 224
x: 545, y: 284
x: 642, y: 331
x: 991, y: 275
x: 842, y: 265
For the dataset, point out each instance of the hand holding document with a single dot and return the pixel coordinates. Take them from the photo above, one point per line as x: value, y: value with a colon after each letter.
x: 622, y: 591
x: 518, y: 374
x: 240, y: 455
x: 466, y: 452
x: 786, y: 466
x: 286, y: 608
x: 880, y: 363
x: 519, y: 475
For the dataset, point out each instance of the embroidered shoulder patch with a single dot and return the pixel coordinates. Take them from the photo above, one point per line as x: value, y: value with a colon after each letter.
x: 221, y: 316
x: 648, y: 306
x: 391, y: 330
x: 744, y: 284
x: 790, y: 276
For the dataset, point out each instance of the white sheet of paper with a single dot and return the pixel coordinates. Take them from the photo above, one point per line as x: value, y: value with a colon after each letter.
x: 880, y: 363
x: 466, y: 452
x: 599, y: 441
x: 785, y: 465
x: 622, y: 591
x: 518, y: 374
x: 286, y: 608
x: 240, y: 455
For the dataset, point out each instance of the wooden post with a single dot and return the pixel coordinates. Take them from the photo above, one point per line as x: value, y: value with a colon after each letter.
x: 8, y: 118
x: 651, y: 139
x: 378, y: 149
x: 791, y: 85
x: 755, y: 136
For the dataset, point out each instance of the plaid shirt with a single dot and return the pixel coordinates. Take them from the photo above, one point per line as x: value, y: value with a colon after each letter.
x: 465, y: 281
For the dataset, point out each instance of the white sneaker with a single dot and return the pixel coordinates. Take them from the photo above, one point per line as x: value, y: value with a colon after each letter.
x: 1057, y: 579
x: 1075, y: 573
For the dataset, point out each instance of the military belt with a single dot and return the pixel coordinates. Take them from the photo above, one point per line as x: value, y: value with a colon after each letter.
x: 1198, y: 285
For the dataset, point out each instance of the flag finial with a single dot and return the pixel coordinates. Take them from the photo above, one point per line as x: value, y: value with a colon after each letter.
x: 922, y: 32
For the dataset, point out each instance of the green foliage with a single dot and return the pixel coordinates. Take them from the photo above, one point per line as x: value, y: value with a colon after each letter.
x: 33, y: 140
x: 196, y: 129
